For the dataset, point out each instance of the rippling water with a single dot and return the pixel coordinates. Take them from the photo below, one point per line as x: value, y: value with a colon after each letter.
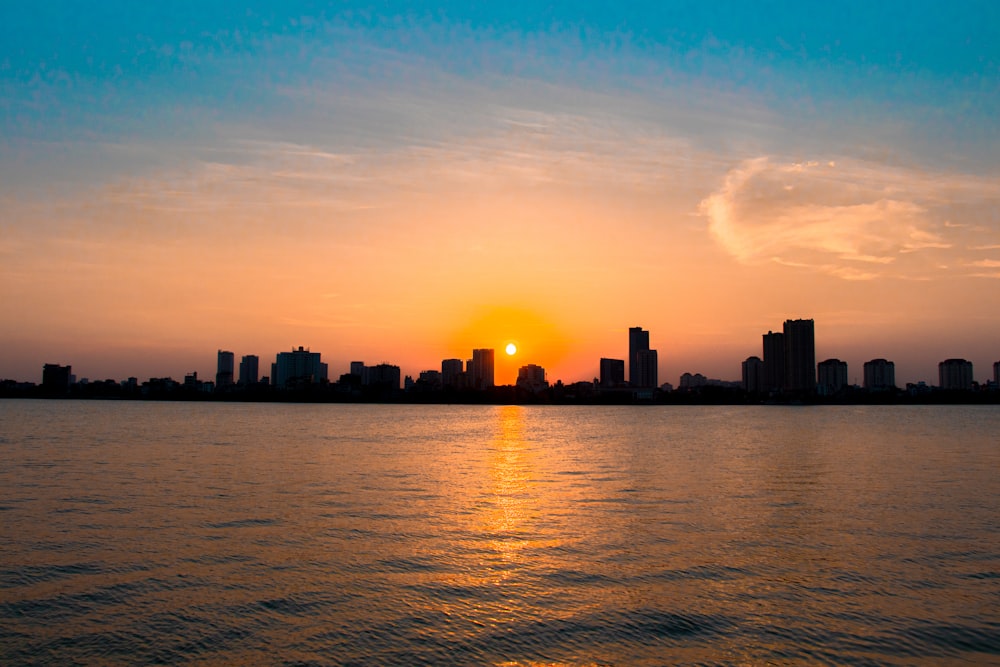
x: 151, y: 533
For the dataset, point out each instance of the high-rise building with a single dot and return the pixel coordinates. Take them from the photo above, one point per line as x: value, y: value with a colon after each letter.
x: 996, y: 373
x: 832, y: 377
x: 451, y: 372
x: 532, y: 378
x: 481, y: 369
x: 638, y: 341
x: 955, y: 374
x: 612, y: 373
x: 224, y: 369
x: 646, y: 370
x: 880, y: 375
x: 753, y: 375
x: 800, y: 356
x: 249, y: 370
x: 298, y: 367
x: 774, y: 362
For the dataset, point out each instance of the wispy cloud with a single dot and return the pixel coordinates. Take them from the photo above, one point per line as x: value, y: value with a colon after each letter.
x: 847, y: 218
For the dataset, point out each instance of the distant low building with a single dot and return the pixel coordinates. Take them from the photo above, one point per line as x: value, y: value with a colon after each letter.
x: 753, y: 375
x: 56, y: 379
x: 612, y: 373
x: 955, y: 375
x: 832, y: 377
x: 531, y: 378
x: 298, y: 367
x: 880, y: 375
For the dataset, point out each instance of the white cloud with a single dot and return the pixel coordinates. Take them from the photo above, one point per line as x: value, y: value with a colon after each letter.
x: 848, y: 218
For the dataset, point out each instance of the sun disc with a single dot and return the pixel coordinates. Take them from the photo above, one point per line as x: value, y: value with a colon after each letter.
x: 511, y: 349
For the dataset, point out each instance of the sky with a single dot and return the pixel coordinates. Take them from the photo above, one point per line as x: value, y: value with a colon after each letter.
x: 403, y: 182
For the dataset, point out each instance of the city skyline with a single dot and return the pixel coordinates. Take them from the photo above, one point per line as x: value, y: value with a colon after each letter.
x: 785, y: 366
x: 417, y: 180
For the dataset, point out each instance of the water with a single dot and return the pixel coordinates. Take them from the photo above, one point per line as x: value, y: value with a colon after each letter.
x: 164, y: 533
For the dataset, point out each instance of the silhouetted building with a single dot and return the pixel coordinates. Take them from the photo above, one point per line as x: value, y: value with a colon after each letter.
x: 298, y: 367
x: 880, y: 375
x: 996, y: 373
x: 800, y: 356
x: 753, y: 375
x: 481, y: 369
x: 955, y: 374
x: 832, y: 377
x: 647, y: 367
x: 224, y: 369
x: 249, y: 370
x: 689, y: 381
x: 383, y: 375
x: 774, y: 362
x: 638, y: 342
x: 56, y: 379
x: 532, y: 378
x: 612, y: 373
x: 452, y: 371
x: 429, y: 380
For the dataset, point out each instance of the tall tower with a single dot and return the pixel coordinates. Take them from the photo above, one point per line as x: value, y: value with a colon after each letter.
x: 773, y: 379
x: 638, y: 341
x: 800, y: 356
x: 224, y: 370
x: 482, y: 369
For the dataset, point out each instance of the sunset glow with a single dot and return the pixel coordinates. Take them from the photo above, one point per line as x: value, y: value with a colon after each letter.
x: 410, y: 183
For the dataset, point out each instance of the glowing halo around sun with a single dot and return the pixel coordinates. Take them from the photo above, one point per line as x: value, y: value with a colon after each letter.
x: 511, y: 349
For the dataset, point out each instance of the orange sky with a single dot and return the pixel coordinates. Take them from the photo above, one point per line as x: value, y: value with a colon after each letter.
x: 401, y: 209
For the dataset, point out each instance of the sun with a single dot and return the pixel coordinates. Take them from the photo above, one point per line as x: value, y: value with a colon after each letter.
x: 511, y: 349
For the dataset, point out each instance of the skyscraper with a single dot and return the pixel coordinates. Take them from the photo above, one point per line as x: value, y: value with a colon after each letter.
x: 638, y: 341
x: 774, y: 362
x: 481, y: 370
x: 800, y: 356
x: 224, y: 369
x: 249, y: 370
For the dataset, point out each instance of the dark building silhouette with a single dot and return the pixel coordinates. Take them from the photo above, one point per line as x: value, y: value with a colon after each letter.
x: 832, y: 377
x: 647, y: 365
x: 774, y: 362
x: 753, y: 375
x: 224, y: 369
x: 996, y: 373
x: 955, y: 374
x: 452, y: 372
x: 532, y: 378
x: 249, y: 370
x: 880, y: 375
x: 385, y: 376
x: 481, y: 369
x: 612, y: 373
x: 800, y: 356
x: 638, y: 341
x: 298, y: 367
x: 56, y: 379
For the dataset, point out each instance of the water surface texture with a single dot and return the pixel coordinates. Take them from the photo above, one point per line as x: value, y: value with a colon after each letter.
x: 171, y: 533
